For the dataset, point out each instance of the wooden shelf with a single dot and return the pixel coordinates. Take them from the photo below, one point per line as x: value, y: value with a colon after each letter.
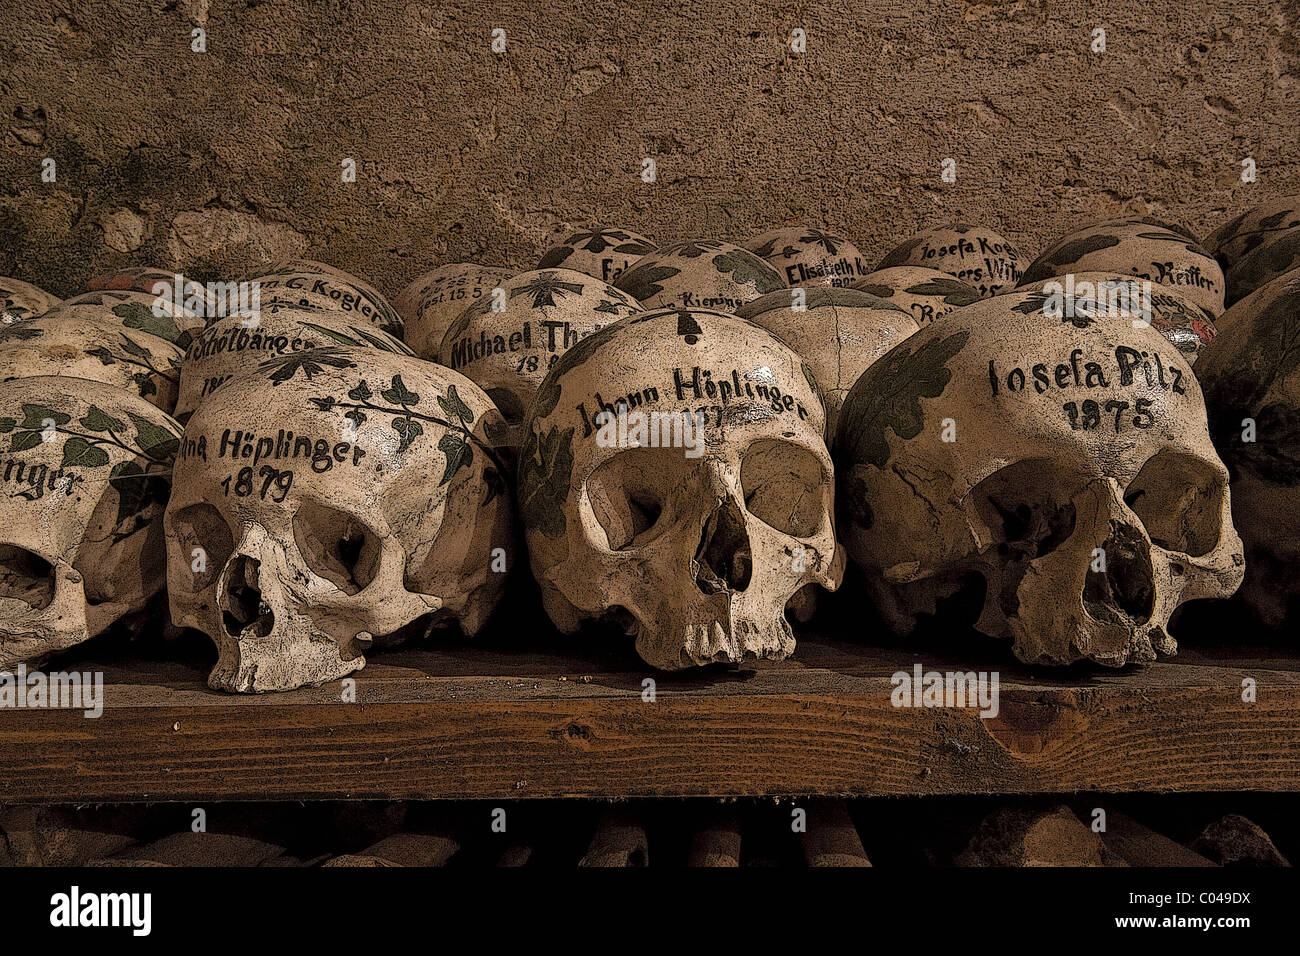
x: 495, y: 722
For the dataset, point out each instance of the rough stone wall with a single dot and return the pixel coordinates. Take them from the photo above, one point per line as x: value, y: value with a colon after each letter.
x: 207, y: 161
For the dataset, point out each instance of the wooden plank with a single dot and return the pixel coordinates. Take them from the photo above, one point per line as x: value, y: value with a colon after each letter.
x: 483, y: 722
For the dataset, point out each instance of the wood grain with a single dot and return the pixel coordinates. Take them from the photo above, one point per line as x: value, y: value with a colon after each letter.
x: 493, y: 723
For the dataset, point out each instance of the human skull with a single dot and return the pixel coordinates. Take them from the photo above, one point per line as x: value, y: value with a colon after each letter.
x: 976, y: 255
x: 700, y: 274
x: 603, y: 253
x: 85, y: 468
x: 805, y: 256
x: 302, y: 282
x: 694, y: 540
x: 233, y: 346
x: 1235, y: 238
x: 927, y: 294
x: 328, y: 498
x: 1251, y: 378
x: 1060, y: 475
x: 1272, y: 258
x: 21, y: 300
x: 74, y: 343
x: 1141, y: 248
x: 435, y: 299
x: 838, y: 332
x: 506, y: 344
x: 1184, y: 323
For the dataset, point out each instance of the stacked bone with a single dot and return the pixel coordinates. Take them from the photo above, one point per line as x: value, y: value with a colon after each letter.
x: 89, y: 387
x: 1022, y: 442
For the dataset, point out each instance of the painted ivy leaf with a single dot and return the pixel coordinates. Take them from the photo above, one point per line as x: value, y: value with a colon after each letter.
x: 98, y: 420
x: 399, y: 394
x: 888, y: 398
x: 39, y: 416
x: 154, y: 441
x: 745, y: 267
x: 693, y: 248
x: 144, y: 384
x: 136, y: 315
x: 135, y: 490
x: 103, y: 354
x: 496, y: 483
x: 497, y: 431
x: 453, y: 404
x: 879, y: 291
x: 24, y: 440
x: 358, y: 417
x: 324, y: 404
x: 7, y: 424
x: 360, y: 393
x: 642, y: 282
x: 766, y: 249
x: 132, y: 347
x: 458, y: 451
x: 408, y: 429
x: 545, y: 466
x: 902, y: 254
x: 79, y: 453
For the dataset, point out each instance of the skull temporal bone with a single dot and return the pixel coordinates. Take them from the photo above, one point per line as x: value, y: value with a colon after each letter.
x: 697, y: 556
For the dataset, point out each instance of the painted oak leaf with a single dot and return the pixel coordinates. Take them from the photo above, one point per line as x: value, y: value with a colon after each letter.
x: 888, y: 398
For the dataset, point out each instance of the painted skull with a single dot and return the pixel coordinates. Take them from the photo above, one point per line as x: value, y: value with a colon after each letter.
x: 85, y: 469
x: 331, y: 497
x: 674, y: 479
x: 1054, y: 478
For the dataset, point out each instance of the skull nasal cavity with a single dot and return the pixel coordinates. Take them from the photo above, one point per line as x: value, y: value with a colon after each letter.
x: 723, y: 560
x: 244, y: 612
x: 1123, y: 593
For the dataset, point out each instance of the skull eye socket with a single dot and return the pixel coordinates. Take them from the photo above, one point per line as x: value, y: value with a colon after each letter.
x: 205, y: 543
x: 1024, y: 509
x: 629, y: 493
x: 25, y: 576
x: 336, y: 546
x: 785, y: 487
x: 1178, y: 499
x: 508, y: 404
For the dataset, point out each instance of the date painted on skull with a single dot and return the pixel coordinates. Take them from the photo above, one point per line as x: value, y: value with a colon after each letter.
x: 1068, y: 499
